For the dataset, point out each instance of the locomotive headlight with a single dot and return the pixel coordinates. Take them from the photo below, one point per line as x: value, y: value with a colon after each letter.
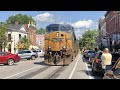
x: 49, y: 47
x: 57, y: 34
x: 64, y: 47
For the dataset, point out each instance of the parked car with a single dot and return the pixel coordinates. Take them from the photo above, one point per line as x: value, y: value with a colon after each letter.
x: 88, y: 53
x: 84, y: 53
x: 92, y: 58
x: 7, y: 58
x: 40, y: 53
x: 114, y: 73
x: 27, y: 54
x: 35, y: 51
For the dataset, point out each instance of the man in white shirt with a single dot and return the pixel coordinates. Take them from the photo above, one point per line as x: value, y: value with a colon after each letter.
x: 106, y: 60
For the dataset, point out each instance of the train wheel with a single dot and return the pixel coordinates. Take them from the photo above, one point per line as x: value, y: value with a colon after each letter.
x: 55, y: 62
x: 72, y: 58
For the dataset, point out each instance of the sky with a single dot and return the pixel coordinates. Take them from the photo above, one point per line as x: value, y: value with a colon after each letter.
x: 80, y: 20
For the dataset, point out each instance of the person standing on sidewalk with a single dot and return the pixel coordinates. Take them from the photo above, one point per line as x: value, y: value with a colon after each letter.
x: 106, y: 60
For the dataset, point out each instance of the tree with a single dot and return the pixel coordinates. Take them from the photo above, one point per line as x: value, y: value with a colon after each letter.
x: 41, y: 31
x: 21, y: 19
x: 80, y: 43
x: 24, y: 43
x: 3, y: 37
x: 89, y: 39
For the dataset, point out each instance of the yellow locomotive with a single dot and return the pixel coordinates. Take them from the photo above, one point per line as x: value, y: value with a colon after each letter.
x: 61, y: 45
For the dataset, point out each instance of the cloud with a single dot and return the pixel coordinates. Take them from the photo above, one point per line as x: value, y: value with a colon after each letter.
x: 81, y: 26
x: 83, y: 23
x: 62, y: 22
x: 44, y: 17
x: 79, y: 32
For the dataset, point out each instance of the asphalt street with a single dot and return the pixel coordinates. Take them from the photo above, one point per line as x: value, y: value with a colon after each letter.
x: 36, y: 69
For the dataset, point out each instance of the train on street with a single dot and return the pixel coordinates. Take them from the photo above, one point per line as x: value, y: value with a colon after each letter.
x: 61, y: 45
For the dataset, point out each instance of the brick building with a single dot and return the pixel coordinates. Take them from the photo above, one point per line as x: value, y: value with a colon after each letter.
x: 40, y: 41
x: 31, y: 29
x: 102, y: 31
x: 113, y: 25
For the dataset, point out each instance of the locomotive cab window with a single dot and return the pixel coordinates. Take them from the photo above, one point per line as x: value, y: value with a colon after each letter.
x: 56, y: 27
x: 65, y: 29
x: 52, y: 28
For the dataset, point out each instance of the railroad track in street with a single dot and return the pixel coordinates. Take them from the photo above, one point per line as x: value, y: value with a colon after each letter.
x: 44, y: 72
x: 56, y: 73
x: 53, y: 75
x: 28, y: 76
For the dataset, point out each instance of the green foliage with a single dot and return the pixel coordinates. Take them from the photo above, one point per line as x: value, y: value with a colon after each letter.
x: 3, y: 38
x: 21, y: 19
x: 89, y: 39
x: 24, y: 43
x: 41, y: 31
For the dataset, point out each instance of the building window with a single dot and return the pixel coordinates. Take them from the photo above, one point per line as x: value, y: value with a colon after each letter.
x: 24, y: 36
x: 118, y: 36
x: 19, y: 36
x: 9, y: 37
x: 40, y: 42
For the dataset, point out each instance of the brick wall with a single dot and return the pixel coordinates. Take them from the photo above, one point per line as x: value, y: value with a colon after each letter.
x: 112, y: 23
x: 31, y: 34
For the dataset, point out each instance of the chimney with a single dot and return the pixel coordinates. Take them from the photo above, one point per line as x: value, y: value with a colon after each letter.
x: 28, y: 24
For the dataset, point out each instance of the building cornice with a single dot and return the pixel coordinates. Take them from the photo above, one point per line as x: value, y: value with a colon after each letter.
x: 106, y: 13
